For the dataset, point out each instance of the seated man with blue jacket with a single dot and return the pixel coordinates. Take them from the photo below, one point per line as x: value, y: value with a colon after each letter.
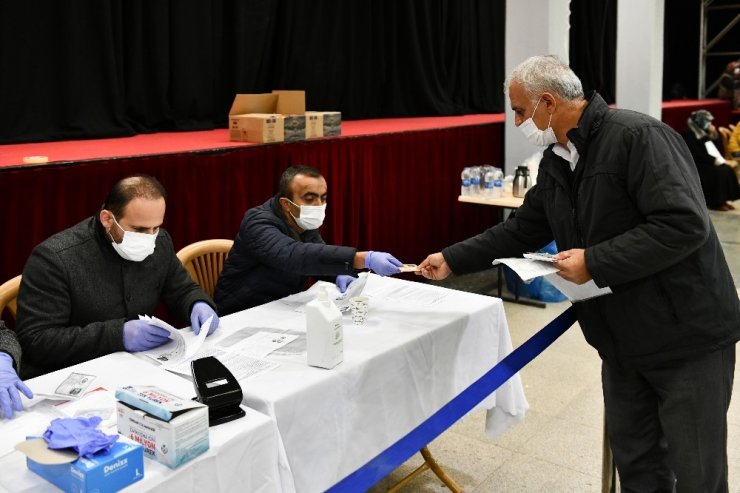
x: 278, y: 247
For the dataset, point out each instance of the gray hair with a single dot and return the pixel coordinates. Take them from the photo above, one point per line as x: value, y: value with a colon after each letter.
x: 539, y: 74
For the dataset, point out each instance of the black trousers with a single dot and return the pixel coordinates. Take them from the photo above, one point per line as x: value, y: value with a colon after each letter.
x: 668, y: 426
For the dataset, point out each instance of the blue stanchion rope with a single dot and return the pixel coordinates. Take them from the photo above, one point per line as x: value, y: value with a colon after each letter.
x: 399, y: 452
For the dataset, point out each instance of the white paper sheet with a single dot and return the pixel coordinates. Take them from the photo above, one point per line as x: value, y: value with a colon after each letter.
x: 178, y: 348
x: 241, y: 366
x: 528, y: 269
x: 262, y: 343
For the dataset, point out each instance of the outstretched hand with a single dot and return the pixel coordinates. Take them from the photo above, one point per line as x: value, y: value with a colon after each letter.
x: 434, y: 267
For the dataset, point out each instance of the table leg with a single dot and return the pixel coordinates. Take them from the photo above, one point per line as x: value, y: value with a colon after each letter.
x: 429, y: 463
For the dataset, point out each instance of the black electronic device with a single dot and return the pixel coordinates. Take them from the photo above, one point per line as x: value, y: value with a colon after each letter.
x: 217, y: 388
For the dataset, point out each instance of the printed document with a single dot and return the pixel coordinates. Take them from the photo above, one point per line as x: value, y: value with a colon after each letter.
x: 528, y: 269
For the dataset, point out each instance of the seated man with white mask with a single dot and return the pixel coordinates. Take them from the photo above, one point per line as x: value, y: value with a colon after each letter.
x: 278, y: 247
x: 84, y: 288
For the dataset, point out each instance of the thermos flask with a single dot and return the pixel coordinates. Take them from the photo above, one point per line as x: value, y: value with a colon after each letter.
x: 522, y: 181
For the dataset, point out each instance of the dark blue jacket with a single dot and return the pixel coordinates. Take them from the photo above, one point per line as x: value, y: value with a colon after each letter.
x: 270, y: 261
x: 636, y: 206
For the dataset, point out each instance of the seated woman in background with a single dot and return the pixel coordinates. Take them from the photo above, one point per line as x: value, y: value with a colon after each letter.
x: 718, y: 180
x: 733, y: 147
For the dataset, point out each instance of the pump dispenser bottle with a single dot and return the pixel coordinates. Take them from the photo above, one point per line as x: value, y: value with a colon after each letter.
x: 324, y: 333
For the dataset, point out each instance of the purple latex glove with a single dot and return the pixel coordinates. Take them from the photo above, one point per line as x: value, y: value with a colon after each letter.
x: 343, y: 282
x: 139, y: 335
x: 10, y: 384
x: 200, y: 313
x: 80, y: 434
x: 382, y: 263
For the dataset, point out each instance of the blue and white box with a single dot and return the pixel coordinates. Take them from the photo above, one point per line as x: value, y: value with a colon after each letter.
x: 172, y: 430
x: 110, y: 470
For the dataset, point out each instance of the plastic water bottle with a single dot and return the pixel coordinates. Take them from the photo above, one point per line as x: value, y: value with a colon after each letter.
x: 465, y: 182
x: 498, y: 183
x: 488, y: 182
x: 324, y: 332
x: 475, y: 180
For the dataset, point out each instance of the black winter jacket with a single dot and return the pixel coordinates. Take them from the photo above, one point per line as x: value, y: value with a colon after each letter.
x: 634, y: 203
x: 77, y: 292
x: 270, y: 261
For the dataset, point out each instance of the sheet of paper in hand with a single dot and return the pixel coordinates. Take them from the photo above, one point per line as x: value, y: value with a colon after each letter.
x: 354, y: 289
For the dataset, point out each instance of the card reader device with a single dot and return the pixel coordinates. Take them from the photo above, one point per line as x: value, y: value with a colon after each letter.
x: 217, y: 388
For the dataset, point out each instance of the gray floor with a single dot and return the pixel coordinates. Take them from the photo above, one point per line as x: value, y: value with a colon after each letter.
x: 557, y: 448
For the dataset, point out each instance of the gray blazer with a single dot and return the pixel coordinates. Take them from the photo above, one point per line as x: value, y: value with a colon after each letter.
x: 77, y: 293
x: 9, y: 344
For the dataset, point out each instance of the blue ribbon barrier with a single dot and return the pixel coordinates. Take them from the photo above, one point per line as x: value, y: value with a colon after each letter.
x: 398, y: 453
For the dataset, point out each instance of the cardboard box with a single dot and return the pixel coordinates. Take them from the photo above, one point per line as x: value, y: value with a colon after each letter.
x: 323, y: 124
x: 112, y: 470
x: 257, y: 127
x: 287, y: 107
x: 171, y: 430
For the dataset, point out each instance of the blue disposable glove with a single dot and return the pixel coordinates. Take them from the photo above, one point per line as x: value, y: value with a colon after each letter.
x: 10, y: 384
x: 80, y: 434
x: 382, y: 263
x: 343, y: 282
x: 139, y: 335
x: 199, y: 314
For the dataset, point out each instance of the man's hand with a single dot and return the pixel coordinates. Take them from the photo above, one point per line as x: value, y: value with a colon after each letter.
x: 200, y: 313
x: 572, y: 265
x: 434, y: 267
x: 10, y: 384
x: 343, y: 282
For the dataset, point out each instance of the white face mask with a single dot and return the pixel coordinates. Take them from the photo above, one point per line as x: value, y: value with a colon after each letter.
x: 135, y: 246
x: 311, y: 216
x: 534, y: 135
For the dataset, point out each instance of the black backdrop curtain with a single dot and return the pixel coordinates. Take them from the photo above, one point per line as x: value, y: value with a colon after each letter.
x: 102, y: 68
x: 593, y: 45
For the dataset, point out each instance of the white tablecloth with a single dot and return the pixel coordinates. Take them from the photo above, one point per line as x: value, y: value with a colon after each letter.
x: 422, y: 345
x: 243, y: 454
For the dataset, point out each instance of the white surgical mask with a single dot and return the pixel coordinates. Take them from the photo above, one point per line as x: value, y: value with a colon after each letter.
x: 310, y: 217
x: 534, y: 135
x: 135, y: 246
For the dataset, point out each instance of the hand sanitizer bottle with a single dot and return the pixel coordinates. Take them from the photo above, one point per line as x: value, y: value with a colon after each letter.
x: 324, y: 333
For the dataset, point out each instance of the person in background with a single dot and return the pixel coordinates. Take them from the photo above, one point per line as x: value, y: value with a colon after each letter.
x: 717, y: 175
x: 619, y: 193
x: 278, y: 247
x: 733, y: 146
x: 84, y: 288
x: 10, y: 383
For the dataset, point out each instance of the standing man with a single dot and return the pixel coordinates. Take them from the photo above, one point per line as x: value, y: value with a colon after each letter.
x: 278, y: 247
x: 619, y: 192
x: 84, y: 288
x: 10, y: 383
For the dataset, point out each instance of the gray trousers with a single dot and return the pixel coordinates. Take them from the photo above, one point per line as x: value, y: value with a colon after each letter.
x: 668, y: 426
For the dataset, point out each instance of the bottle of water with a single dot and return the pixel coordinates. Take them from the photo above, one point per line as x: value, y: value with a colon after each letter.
x: 488, y: 182
x: 498, y: 183
x: 465, y: 181
x: 475, y: 180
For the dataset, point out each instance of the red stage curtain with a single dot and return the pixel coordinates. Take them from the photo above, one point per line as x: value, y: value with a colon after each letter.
x: 393, y: 192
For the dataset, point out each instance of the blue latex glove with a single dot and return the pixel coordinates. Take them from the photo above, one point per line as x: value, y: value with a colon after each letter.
x: 199, y: 315
x: 80, y: 434
x: 343, y: 282
x: 10, y: 384
x: 382, y: 263
x: 138, y: 335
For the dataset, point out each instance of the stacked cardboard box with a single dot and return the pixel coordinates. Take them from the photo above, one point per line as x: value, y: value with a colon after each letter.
x: 279, y: 116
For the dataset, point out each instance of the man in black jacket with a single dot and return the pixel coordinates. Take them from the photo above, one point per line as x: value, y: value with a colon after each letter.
x: 84, y: 288
x: 619, y: 193
x: 278, y: 247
